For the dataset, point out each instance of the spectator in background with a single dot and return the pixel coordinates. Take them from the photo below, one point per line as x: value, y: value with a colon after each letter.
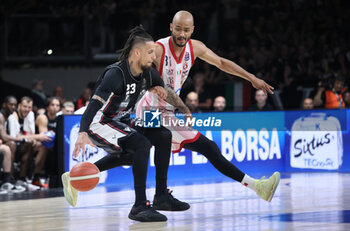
x: 81, y: 110
x: 48, y: 122
x: 39, y: 97
x: 8, y: 107
x: 261, y: 103
x: 192, y: 102
x: 21, y: 124
x: 308, y: 104
x: 85, y: 96
x: 6, y: 186
x: 331, y: 98
x: 204, y: 93
x: 346, y: 97
x: 58, y: 92
x: 67, y: 109
x: 219, y: 104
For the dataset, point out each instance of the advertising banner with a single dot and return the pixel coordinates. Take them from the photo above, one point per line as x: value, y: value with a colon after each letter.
x: 253, y: 142
x: 316, y: 140
x: 256, y: 142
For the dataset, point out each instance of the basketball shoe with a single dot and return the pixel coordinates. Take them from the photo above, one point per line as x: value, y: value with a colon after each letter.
x: 10, y: 188
x: 146, y: 213
x: 28, y: 186
x: 168, y: 202
x: 266, y: 188
x: 70, y: 193
x: 37, y: 182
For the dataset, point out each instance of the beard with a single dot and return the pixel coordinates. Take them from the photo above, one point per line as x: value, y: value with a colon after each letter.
x: 145, y: 68
x: 177, y: 44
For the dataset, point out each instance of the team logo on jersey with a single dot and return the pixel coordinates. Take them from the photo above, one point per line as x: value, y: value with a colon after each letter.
x: 151, y: 119
x: 185, y: 66
x: 187, y: 56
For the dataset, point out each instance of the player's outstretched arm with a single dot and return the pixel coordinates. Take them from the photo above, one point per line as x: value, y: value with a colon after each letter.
x: 204, y: 53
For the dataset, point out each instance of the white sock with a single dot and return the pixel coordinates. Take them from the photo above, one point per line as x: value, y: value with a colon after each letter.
x: 249, y: 182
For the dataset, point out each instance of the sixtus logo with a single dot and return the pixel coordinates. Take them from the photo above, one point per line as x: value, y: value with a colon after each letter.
x: 316, y: 142
x: 316, y: 149
x: 304, y: 146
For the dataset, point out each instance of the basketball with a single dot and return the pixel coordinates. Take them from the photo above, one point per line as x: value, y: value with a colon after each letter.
x: 49, y: 144
x: 84, y: 176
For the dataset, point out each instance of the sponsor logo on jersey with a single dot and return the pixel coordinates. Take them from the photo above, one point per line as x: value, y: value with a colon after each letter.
x: 169, y: 71
x: 185, y: 66
x: 187, y: 56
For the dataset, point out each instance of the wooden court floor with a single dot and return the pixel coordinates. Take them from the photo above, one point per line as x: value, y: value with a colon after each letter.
x: 303, y: 201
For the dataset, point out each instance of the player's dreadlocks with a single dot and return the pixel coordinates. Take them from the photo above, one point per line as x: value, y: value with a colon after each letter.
x: 137, y: 35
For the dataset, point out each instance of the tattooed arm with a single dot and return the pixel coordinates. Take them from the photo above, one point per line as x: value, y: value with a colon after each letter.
x: 173, y: 99
x: 170, y: 97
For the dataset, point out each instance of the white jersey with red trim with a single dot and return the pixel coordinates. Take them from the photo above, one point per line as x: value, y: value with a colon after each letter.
x: 174, y: 71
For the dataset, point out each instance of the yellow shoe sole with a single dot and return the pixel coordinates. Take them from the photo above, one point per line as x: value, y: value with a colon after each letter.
x: 277, y: 181
x: 70, y: 193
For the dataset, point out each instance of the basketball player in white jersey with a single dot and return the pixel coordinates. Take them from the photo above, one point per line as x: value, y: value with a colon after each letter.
x: 175, y: 56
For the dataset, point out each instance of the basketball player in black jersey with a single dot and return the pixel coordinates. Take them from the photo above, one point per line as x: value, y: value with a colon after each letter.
x: 181, y: 30
x: 106, y: 122
x: 46, y: 122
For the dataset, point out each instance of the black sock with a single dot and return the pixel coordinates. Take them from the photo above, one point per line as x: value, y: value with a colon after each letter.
x: 161, y: 186
x: 161, y: 139
x: 140, y: 195
x: 140, y: 147
x: 212, y: 152
x: 36, y: 176
x: 7, y: 177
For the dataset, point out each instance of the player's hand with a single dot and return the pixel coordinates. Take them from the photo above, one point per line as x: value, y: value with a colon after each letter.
x: 160, y: 91
x: 262, y: 85
x: 31, y: 141
x: 82, y: 140
x: 44, y: 138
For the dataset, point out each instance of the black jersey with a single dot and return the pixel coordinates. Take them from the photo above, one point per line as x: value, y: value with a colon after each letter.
x: 52, y: 124
x: 120, y: 91
x: 6, y: 124
x: 21, y: 125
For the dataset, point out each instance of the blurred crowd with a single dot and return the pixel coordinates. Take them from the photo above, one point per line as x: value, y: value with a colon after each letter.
x: 28, y: 144
x: 296, y: 46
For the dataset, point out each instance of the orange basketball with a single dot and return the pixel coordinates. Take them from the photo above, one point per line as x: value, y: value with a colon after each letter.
x: 84, y: 176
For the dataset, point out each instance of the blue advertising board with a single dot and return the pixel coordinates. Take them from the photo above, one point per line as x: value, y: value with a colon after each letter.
x: 256, y: 142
